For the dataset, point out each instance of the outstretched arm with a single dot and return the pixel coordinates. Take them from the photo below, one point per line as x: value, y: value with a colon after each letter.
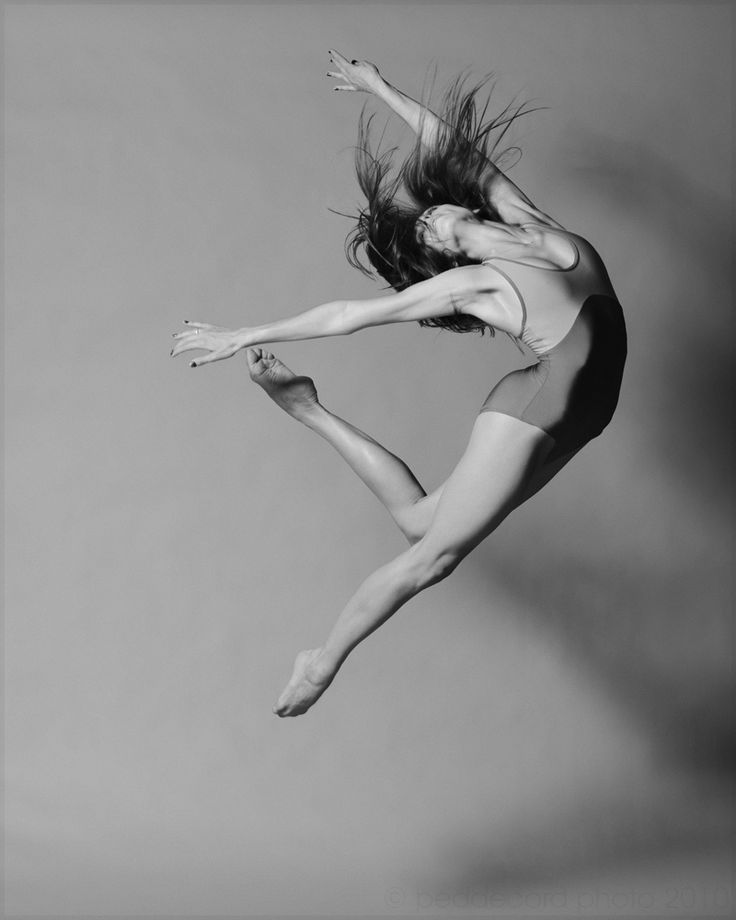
x: 362, y: 76
x: 505, y: 196
x: 456, y: 290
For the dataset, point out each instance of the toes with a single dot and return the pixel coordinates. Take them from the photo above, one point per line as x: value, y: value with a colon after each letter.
x: 258, y: 361
x: 283, y: 710
x: 253, y: 356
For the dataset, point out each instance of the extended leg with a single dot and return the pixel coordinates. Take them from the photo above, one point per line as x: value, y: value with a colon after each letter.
x: 491, y: 479
x: 388, y: 477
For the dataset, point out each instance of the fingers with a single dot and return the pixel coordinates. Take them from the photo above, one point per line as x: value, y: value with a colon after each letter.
x: 194, y: 339
x: 342, y: 75
x: 196, y: 327
x: 337, y: 75
x: 357, y: 76
x: 200, y: 335
x: 206, y: 359
x: 214, y: 356
x: 191, y: 343
x: 195, y: 344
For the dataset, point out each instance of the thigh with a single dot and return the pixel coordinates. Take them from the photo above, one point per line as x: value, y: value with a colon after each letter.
x: 546, y: 471
x: 423, y: 511
x: 503, y: 459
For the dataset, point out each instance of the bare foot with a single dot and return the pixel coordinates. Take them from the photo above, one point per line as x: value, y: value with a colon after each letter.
x: 295, y: 394
x: 308, y: 682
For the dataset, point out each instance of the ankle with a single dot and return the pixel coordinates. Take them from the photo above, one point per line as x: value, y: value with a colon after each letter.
x: 322, y: 667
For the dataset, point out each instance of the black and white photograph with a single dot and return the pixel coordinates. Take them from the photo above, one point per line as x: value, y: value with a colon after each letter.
x: 369, y: 459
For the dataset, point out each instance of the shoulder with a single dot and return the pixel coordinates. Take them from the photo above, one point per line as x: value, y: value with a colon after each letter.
x: 465, y: 280
x: 478, y: 276
x: 469, y: 281
x: 481, y: 290
x: 519, y: 211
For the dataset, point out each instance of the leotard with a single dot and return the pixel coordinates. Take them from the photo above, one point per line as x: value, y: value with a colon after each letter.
x: 571, y: 319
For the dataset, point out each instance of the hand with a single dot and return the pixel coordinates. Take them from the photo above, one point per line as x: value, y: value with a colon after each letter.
x: 359, y: 76
x: 217, y: 340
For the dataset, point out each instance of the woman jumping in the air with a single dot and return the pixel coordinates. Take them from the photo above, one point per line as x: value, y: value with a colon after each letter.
x: 467, y: 251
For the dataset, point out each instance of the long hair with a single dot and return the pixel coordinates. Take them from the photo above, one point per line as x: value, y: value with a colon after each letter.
x: 452, y: 169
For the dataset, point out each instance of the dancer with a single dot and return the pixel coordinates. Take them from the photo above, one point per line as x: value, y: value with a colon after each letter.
x: 465, y: 250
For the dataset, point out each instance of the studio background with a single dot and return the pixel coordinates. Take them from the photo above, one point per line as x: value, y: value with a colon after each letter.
x: 544, y: 732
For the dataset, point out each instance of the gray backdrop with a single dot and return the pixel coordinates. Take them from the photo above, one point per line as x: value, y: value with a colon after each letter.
x: 544, y: 733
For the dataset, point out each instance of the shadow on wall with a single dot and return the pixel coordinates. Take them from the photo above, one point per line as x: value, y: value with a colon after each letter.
x: 600, y: 833
x: 640, y: 626
x: 691, y: 350
x: 656, y: 633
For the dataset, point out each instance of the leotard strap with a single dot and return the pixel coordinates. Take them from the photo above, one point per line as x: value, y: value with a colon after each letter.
x: 515, y: 287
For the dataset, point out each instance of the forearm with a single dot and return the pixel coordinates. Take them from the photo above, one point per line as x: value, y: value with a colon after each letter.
x: 417, y: 117
x: 498, y: 187
x: 328, y: 319
x: 505, y: 196
x: 432, y: 297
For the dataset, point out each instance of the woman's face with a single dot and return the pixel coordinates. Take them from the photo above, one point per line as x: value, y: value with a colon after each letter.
x: 436, y: 227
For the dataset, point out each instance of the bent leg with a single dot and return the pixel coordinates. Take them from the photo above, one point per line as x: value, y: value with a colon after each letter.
x: 504, y: 464
x: 490, y: 480
x: 541, y: 474
x: 385, y: 474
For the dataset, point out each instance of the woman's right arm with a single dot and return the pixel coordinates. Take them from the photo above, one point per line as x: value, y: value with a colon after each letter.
x: 505, y: 196
x: 467, y: 289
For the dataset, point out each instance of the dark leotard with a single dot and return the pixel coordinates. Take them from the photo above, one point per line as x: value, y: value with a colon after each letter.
x: 574, y: 324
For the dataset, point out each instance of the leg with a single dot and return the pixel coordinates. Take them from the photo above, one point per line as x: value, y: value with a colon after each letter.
x: 492, y: 478
x: 388, y: 477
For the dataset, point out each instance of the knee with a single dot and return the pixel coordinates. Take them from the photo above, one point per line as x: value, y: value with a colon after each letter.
x: 412, y: 534
x: 413, y: 520
x: 433, y: 563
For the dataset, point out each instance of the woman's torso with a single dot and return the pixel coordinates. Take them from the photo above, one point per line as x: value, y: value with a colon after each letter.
x: 572, y: 320
x: 544, y: 296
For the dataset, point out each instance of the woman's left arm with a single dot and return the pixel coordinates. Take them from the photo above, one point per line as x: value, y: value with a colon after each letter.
x: 452, y: 291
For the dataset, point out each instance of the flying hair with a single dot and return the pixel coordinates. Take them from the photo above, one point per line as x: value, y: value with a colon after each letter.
x: 451, y: 167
